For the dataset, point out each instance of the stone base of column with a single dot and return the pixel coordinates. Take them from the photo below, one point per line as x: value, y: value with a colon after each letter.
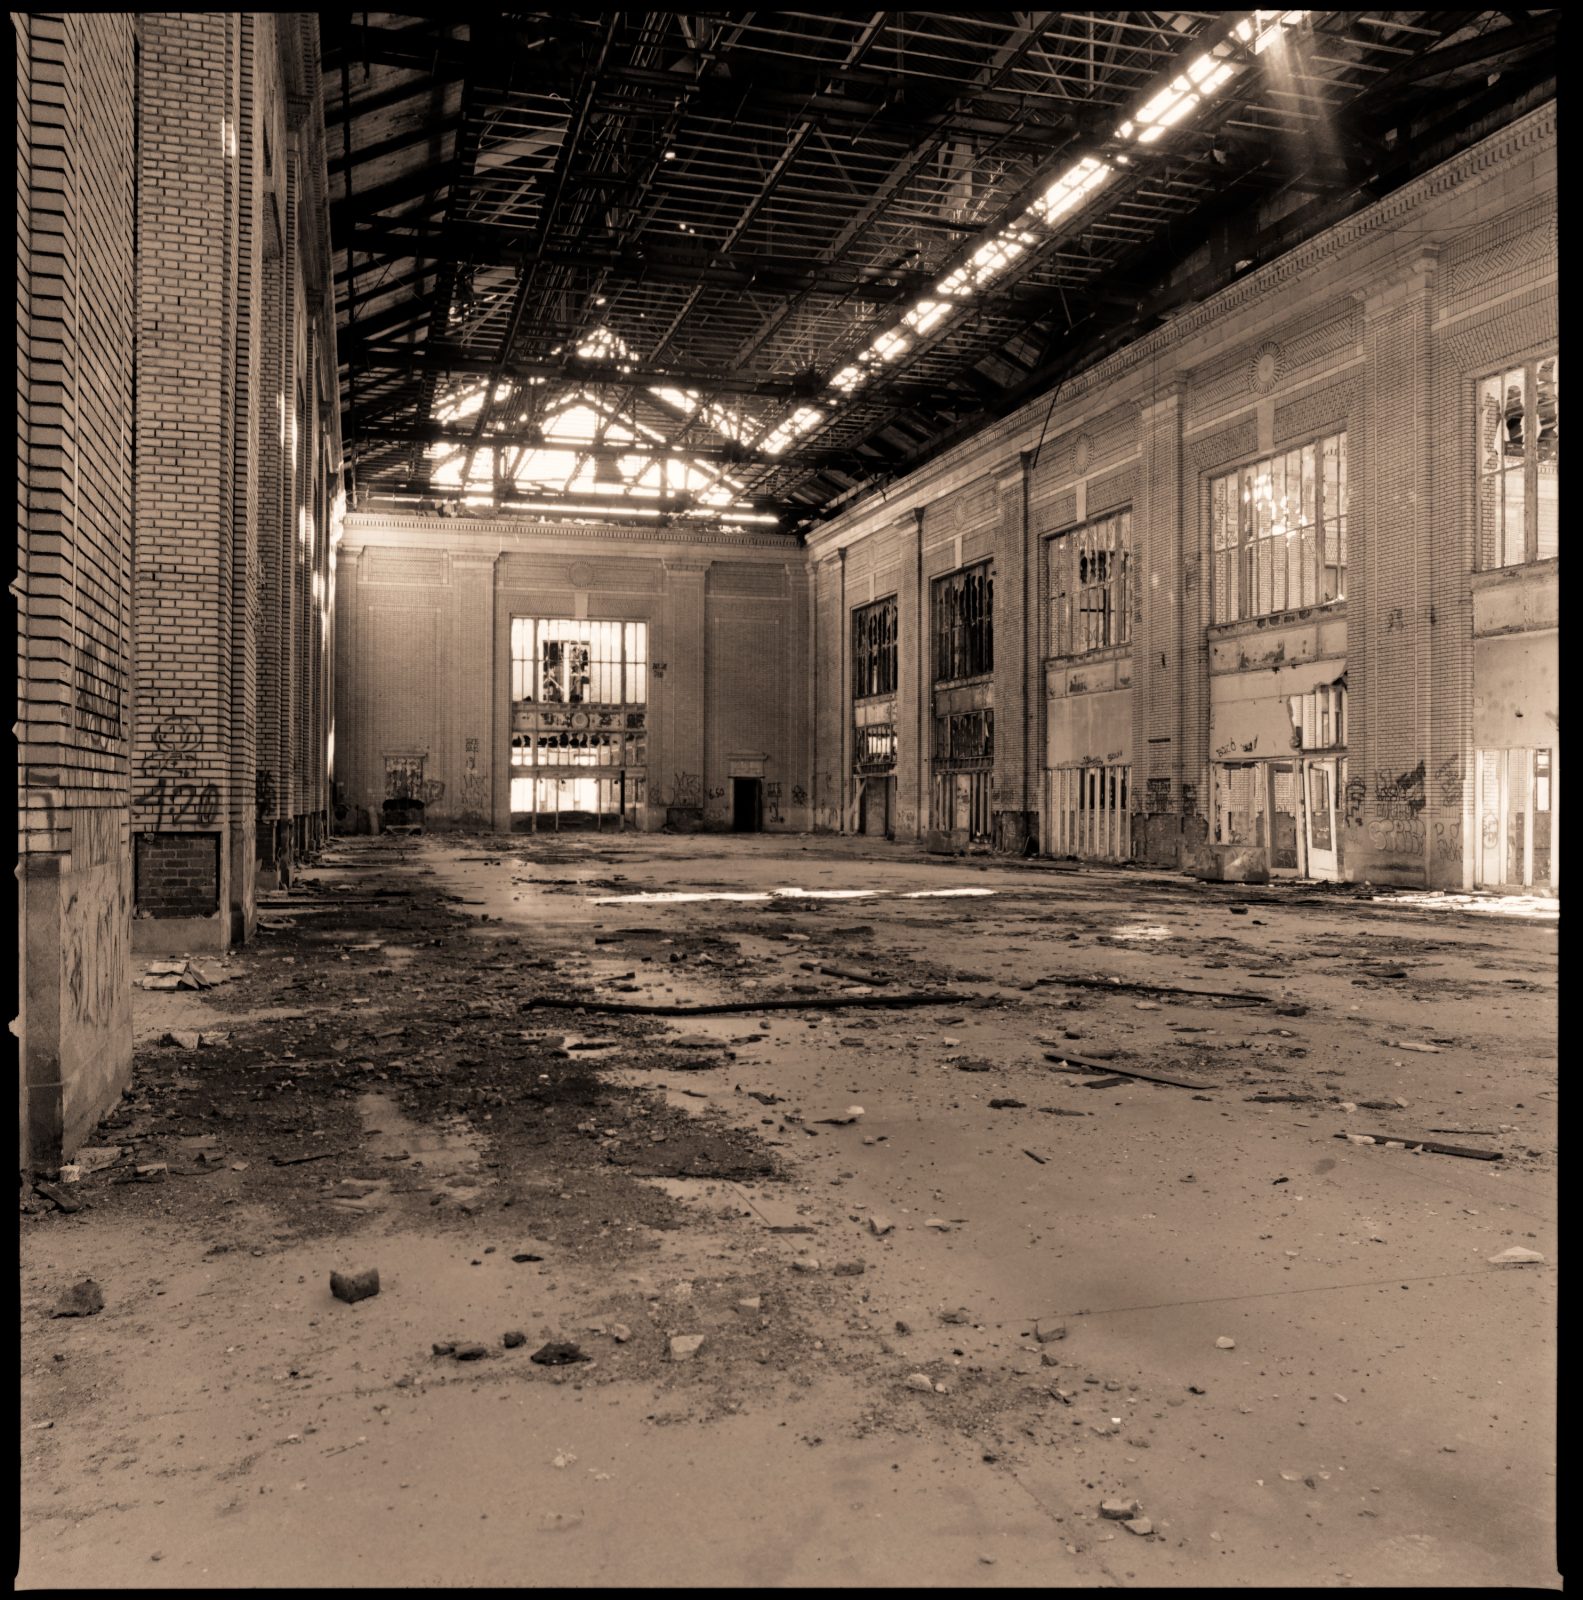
x: 179, y: 936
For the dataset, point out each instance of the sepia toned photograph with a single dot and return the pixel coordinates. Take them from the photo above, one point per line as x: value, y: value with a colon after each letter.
x: 787, y: 791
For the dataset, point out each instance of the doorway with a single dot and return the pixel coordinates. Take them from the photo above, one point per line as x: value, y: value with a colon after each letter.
x: 1324, y: 858
x: 1285, y: 807
x: 1515, y: 807
x: 876, y: 807
x: 747, y: 805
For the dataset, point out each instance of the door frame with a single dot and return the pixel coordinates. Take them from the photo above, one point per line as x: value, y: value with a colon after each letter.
x: 1321, y: 863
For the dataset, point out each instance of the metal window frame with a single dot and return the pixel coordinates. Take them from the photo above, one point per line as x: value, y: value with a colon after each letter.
x: 1063, y: 555
x: 1237, y: 567
x: 1484, y: 474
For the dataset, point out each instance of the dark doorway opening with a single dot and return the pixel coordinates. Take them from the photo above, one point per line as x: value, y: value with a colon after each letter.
x: 747, y: 805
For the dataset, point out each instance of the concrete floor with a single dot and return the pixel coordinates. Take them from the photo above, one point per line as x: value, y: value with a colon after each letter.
x: 1385, y: 1417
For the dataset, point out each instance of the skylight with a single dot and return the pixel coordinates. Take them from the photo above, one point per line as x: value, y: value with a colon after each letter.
x: 798, y: 423
x: 1170, y: 105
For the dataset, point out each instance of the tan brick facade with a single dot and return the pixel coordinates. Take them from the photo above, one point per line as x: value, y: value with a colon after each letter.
x: 149, y: 493
x: 1380, y: 328
x: 424, y: 706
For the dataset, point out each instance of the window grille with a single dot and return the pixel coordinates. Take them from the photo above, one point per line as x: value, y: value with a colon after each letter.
x: 875, y: 747
x: 1519, y: 464
x: 964, y: 623
x: 1090, y: 572
x: 874, y: 649
x: 1279, y: 531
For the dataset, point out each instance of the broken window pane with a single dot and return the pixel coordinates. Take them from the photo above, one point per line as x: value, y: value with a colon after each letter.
x: 1278, y: 531
x: 874, y: 649
x: 1518, y: 464
x: 963, y: 623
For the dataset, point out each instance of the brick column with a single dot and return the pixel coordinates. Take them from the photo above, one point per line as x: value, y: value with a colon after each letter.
x: 241, y: 829
x: 1390, y: 528
x: 472, y: 738
x: 841, y: 678
x: 799, y: 731
x: 1015, y: 815
x: 912, y: 698
x: 1170, y: 666
x: 185, y: 808
x: 75, y: 232
x: 682, y: 692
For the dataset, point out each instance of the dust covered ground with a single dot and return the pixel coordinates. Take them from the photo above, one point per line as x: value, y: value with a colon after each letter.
x: 936, y: 1336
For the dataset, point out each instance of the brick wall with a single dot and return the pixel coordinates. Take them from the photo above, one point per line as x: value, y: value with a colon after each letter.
x: 188, y: 300
x: 239, y: 431
x: 178, y: 874
x: 75, y: 84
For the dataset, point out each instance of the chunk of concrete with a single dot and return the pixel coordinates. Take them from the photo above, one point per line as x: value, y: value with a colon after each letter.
x: 684, y: 1346
x: 1517, y: 1256
x: 354, y: 1286
x: 84, y: 1299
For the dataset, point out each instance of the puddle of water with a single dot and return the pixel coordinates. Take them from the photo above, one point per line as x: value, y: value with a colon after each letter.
x: 1514, y: 905
x: 398, y: 955
x: 441, y: 1149
x: 1141, y: 930
x: 668, y: 898
x: 677, y: 897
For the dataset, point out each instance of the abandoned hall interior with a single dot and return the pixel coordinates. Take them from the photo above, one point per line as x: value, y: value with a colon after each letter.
x: 607, y: 466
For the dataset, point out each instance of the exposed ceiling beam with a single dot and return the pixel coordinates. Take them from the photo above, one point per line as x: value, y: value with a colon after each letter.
x: 366, y: 154
x: 535, y: 439
x: 602, y: 374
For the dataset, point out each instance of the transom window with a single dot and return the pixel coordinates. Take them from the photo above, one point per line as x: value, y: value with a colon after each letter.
x: 964, y: 640
x: 1090, y: 571
x: 874, y: 649
x: 1279, y: 531
x: 1520, y: 463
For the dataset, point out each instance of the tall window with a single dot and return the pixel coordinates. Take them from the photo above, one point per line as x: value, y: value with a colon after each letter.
x: 874, y: 649
x: 579, y: 691
x: 1279, y: 531
x: 1091, y: 586
x: 561, y: 661
x: 1520, y: 464
x: 964, y: 640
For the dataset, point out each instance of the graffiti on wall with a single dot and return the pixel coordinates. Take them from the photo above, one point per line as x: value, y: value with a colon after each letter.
x: 264, y: 791
x: 170, y: 770
x: 404, y: 780
x: 799, y: 795
x: 772, y: 802
x: 96, y: 954
x: 473, y: 786
x: 1397, y: 837
x: 1449, y: 776
x: 1399, y: 797
x: 687, y: 789
x: 1448, y: 841
x: 1353, y: 796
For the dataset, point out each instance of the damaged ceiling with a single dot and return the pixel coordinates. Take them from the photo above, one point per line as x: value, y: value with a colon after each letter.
x: 746, y: 267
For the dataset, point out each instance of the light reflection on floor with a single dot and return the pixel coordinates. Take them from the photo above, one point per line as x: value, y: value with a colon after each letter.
x: 678, y: 897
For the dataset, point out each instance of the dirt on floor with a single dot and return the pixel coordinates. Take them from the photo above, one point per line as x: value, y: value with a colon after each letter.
x: 789, y: 1210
